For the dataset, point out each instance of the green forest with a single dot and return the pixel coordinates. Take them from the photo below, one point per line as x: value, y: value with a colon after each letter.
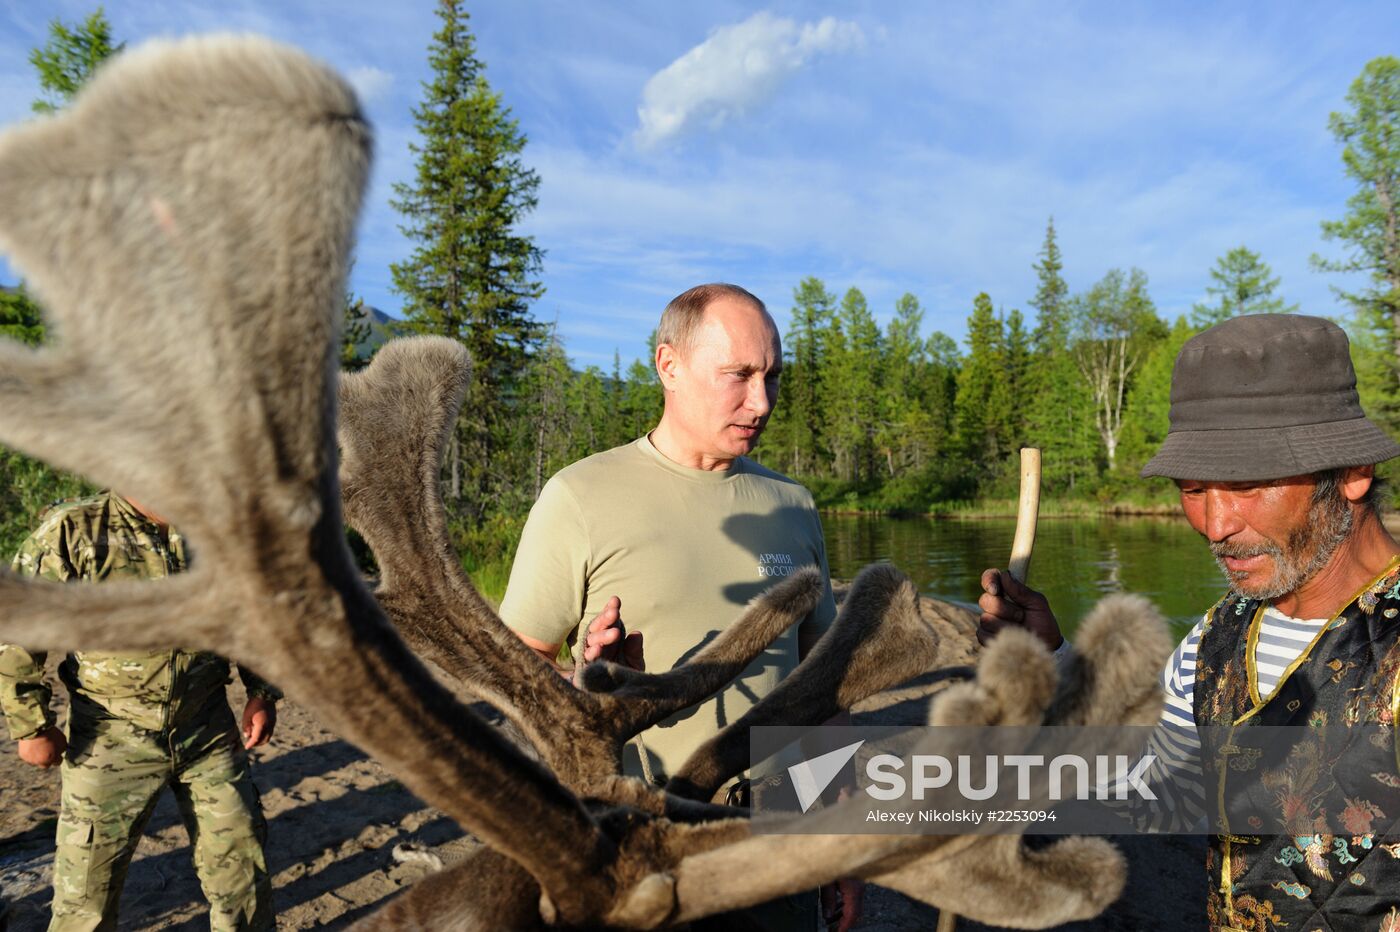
x: 871, y: 418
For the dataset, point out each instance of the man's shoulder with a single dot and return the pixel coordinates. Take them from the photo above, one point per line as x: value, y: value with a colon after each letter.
x: 780, y: 483
x: 69, y: 515
x: 604, y: 466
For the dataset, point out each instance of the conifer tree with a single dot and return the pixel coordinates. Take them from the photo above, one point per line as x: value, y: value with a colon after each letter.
x: 854, y: 385
x: 472, y: 275
x: 796, y: 436
x: 19, y: 317
x: 1018, y: 355
x: 69, y: 58
x: 982, y: 405
x: 1058, y: 410
x: 941, y: 387
x: 1051, y: 294
x: 1370, y: 134
x: 1241, y: 283
x: 905, y: 436
x: 549, y: 424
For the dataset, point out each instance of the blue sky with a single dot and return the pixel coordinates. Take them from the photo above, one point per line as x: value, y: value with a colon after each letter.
x: 895, y: 147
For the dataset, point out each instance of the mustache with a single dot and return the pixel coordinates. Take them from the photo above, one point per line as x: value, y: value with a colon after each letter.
x: 1223, y: 549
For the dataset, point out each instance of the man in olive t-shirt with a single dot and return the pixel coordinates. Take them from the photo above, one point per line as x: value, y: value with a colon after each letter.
x: 684, y: 550
x: 679, y: 530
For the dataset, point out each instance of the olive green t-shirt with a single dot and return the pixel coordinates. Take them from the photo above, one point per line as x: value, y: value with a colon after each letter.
x: 685, y: 550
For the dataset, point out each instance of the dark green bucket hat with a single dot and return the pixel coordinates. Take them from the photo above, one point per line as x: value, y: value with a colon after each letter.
x: 1264, y: 397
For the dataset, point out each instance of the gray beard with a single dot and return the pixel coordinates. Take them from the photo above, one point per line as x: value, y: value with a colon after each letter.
x: 1306, y: 552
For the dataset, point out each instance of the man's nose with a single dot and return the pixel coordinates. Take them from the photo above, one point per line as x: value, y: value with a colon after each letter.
x: 758, y: 399
x: 1222, y: 518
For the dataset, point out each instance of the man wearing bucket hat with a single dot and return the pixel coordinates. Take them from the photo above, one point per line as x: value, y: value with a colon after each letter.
x: 1275, y: 463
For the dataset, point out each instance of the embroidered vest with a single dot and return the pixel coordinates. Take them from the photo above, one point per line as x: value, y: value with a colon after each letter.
x: 1347, y: 675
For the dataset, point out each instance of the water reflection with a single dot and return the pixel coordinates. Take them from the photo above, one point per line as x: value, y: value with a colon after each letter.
x: 1075, y: 563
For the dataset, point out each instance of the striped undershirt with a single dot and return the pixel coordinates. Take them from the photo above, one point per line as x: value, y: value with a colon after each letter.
x: 1282, y: 640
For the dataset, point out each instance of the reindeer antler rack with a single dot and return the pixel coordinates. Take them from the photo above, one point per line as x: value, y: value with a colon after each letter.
x: 186, y: 223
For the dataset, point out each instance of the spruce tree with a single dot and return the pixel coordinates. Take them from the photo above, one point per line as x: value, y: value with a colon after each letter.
x: 1051, y: 293
x: 796, y: 440
x: 853, y: 388
x: 1370, y: 134
x: 1017, y: 371
x: 472, y: 276
x: 1241, y: 283
x: 905, y: 436
x: 69, y: 58
x: 982, y: 405
x: 1058, y: 408
x: 19, y: 317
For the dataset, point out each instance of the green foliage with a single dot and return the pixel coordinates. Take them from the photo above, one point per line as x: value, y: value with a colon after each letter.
x: 1149, y: 400
x: 472, y: 276
x: 1370, y: 137
x: 982, y: 410
x: 19, y: 317
x: 1051, y: 294
x: 1242, y: 283
x: 354, y: 331
x: 1114, y: 326
x: 27, y: 487
x: 853, y: 384
x: 1056, y: 402
x: 69, y: 58
x: 796, y: 438
x: 488, y: 548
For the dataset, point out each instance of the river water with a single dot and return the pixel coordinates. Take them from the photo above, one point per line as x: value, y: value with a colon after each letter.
x: 1076, y: 561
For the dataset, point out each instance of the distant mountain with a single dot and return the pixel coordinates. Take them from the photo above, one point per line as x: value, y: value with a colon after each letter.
x: 382, y: 328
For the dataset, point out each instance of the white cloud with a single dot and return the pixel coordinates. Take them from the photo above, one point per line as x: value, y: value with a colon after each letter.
x: 369, y: 82
x: 736, y: 68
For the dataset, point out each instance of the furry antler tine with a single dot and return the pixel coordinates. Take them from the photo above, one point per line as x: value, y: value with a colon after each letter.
x: 116, y: 616
x: 503, y: 896
x: 998, y: 881
x: 207, y: 189
x: 878, y: 639
x: 1112, y: 679
x: 636, y: 701
x: 764, y: 867
x: 1016, y: 680
x: 135, y: 386
x: 113, y: 396
x: 395, y: 418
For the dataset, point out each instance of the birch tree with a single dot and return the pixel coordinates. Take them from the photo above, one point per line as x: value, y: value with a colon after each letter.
x: 1115, y: 325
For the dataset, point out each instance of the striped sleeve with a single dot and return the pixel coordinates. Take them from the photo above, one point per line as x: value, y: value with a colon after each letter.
x: 1175, y: 773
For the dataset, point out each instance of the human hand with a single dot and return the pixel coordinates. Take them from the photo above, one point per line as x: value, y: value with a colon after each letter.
x: 841, y: 903
x: 1006, y: 603
x: 259, y: 721
x: 607, y: 639
x: 44, y: 749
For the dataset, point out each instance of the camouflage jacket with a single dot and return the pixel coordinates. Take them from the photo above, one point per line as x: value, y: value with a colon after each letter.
x: 93, y: 539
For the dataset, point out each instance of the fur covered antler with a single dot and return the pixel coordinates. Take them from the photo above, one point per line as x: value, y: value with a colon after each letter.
x: 186, y: 223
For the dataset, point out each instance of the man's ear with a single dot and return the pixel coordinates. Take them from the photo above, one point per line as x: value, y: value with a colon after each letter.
x: 667, y: 363
x: 1356, y: 482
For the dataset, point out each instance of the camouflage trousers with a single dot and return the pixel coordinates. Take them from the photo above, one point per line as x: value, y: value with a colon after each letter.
x: 112, y: 775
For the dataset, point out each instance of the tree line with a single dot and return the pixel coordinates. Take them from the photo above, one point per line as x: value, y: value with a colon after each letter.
x: 869, y: 417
